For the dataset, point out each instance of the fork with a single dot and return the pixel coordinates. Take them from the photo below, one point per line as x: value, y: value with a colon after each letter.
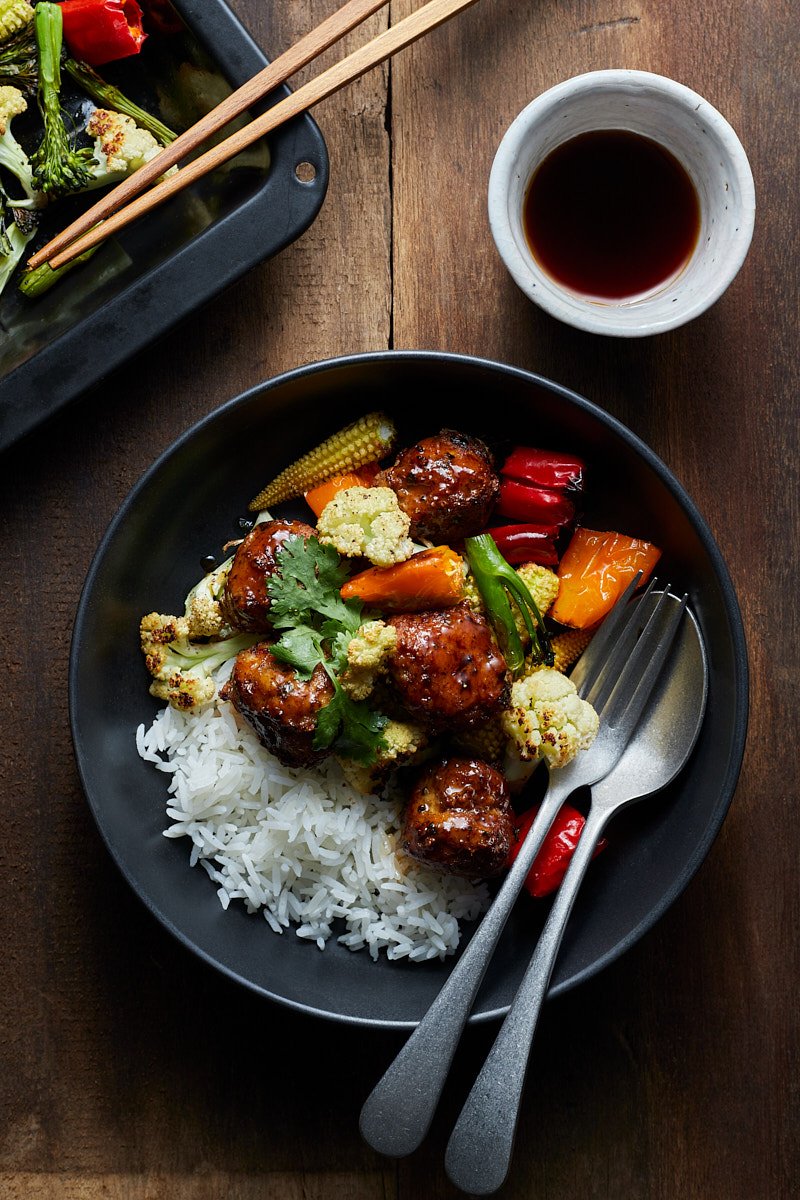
x: 616, y: 674
x: 479, y: 1151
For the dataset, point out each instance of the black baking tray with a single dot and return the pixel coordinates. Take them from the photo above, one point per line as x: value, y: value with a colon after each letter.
x: 161, y: 268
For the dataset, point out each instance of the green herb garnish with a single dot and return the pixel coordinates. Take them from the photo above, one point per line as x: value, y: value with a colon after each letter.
x: 318, y: 626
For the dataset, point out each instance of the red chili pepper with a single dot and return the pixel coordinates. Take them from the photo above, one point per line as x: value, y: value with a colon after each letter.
x: 550, y: 865
x: 101, y: 31
x: 527, y: 543
x: 525, y: 502
x: 545, y: 468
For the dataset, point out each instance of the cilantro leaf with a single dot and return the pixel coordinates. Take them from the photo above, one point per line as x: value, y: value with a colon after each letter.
x: 308, y: 584
x: 352, y: 726
x: 300, y: 648
x: 338, y: 640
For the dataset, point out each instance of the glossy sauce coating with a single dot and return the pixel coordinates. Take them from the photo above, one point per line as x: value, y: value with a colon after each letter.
x: 459, y: 818
x: 446, y: 669
x: 245, y: 602
x: 280, y: 706
x: 446, y: 484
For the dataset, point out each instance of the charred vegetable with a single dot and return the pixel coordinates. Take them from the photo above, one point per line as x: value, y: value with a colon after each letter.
x: 366, y: 440
x: 594, y: 572
x: 34, y: 284
x: 431, y: 579
x: 106, y: 95
x: 102, y: 31
x: 544, y: 468
x: 19, y: 60
x: 58, y: 167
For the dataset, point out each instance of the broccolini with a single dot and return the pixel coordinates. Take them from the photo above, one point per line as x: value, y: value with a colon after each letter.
x: 58, y: 166
x: 106, y: 95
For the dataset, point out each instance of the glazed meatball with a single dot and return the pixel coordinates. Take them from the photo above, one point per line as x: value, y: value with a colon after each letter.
x: 459, y: 818
x: 446, y: 484
x: 446, y: 668
x: 245, y: 602
x: 281, y: 707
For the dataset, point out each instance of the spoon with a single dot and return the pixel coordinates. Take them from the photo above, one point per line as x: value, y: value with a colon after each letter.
x: 479, y: 1152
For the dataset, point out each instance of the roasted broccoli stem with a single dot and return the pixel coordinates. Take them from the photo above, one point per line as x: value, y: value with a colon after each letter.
x: 58, y: 167
x: 499, y: 586
x: 34, y: 284
x: 19, y: 61
x: 109, y: 96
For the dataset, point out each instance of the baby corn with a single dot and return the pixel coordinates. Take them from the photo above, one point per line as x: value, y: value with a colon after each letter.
x: 14, y: 15
x: 366, y: 440
x: 568, y: 647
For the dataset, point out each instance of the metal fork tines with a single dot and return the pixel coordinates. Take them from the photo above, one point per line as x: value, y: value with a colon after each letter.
x: 625, y: 682
x: 616, y: 668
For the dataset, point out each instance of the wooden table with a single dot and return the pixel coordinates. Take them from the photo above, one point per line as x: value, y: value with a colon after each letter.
x: 127, y: 1066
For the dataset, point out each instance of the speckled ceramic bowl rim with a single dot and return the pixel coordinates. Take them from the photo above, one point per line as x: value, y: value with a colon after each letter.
x: 560, y: 303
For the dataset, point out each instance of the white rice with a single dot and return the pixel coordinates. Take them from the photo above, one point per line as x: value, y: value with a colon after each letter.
x: 301, y: 846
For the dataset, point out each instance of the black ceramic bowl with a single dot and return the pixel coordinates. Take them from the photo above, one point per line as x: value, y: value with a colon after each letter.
x: 187, y: 505
x: 162, y: 268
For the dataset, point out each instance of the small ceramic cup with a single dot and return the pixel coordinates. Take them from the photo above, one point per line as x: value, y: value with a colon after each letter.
x: 692, y: 130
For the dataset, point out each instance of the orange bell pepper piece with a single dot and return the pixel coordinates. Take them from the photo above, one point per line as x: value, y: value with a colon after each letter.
x: 431, y: 579
x: 594, y: 572
x: 323, y: 493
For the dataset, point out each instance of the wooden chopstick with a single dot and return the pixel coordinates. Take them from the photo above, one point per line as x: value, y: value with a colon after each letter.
x: 431, y: 15
x: 304, y: 51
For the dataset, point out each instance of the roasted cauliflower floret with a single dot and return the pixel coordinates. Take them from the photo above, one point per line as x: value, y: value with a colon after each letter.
x: 12, y: 103
x: 183, y: 670
x: 543, y: 587
x: 203, y: 609
x: 120, y: 146
x: 12, y: 156
x: 547, y: 718
x: 367, y: 655
x: 366, y: 522
x: 542, y: 584
x: 403, y: 741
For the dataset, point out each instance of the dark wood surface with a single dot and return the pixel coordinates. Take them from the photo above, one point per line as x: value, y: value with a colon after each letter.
x: 128, y: 1069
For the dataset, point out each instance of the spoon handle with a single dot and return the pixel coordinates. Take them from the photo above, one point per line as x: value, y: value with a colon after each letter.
x: 479, y: 1151
x: 397, y: 1114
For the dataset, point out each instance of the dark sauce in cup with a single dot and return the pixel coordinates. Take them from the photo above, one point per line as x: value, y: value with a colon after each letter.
x: 611, y: 214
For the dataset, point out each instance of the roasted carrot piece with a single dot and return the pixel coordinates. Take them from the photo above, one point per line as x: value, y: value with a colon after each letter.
x: 431, y: 579
x: 323, y: 493
x: 594, y: 572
